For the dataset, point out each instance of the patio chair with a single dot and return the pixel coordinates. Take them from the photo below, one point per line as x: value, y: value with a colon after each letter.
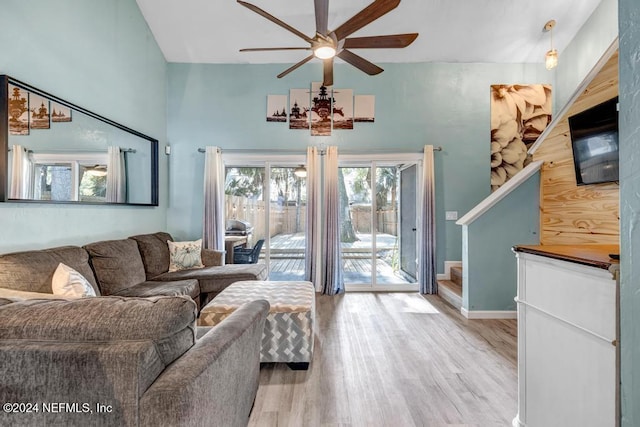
x: 247, y: 256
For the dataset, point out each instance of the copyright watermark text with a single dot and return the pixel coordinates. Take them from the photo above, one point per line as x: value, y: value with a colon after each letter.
x: 56, y: 407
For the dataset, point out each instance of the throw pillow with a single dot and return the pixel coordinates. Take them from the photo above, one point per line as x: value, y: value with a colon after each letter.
x: 69, y: 283
x: 184, y: 255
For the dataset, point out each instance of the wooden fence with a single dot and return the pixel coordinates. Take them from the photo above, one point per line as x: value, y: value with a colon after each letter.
x: 285, y: 219
x: 289, y: 218
x: 386, y: 218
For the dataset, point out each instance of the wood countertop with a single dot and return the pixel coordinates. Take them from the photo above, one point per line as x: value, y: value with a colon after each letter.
x: 592, y: 255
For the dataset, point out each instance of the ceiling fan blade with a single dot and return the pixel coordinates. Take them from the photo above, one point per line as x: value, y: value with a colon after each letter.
x: 293, y: 67
x: 391, y: 41
x: 328, y: 72
x: 275, y: 20
x: 260, y: 49
x: 322, y: 16
x: 369, y: 14
x: 359, y: 62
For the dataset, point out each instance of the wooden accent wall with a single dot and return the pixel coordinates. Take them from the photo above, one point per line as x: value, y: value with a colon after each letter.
x: 570, y: 214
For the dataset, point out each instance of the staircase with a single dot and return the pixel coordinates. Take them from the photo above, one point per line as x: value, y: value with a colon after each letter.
x: 451, y: 290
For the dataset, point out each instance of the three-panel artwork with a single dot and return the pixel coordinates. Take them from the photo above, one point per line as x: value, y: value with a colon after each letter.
x: 320, y: 109
x: 32, y: 111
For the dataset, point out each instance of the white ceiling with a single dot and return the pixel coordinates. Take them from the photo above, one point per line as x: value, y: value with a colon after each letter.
x: 500, y: 31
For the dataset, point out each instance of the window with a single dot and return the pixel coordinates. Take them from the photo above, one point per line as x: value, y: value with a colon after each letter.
x: 70, y: 177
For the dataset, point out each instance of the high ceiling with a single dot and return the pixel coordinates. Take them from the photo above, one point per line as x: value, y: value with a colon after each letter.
x: 498, y: 31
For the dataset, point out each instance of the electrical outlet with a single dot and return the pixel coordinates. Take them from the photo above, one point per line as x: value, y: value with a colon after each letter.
x: 451, y: 215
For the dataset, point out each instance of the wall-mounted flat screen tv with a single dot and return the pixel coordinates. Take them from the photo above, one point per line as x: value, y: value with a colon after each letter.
x: 594, y: 139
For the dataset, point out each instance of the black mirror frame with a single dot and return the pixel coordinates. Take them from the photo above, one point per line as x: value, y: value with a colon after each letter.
x: 5, y: 80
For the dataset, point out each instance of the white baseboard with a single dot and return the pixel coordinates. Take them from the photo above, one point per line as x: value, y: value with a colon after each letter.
x: 480, y: 314
x: 447, y: 269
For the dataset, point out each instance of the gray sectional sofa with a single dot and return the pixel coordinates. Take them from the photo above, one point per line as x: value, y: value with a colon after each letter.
x: 134, y: 352
x: 116, y: 361
x: 136, y: 266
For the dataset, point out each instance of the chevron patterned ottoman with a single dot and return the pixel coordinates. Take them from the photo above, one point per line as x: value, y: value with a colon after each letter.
x: 288, y: 330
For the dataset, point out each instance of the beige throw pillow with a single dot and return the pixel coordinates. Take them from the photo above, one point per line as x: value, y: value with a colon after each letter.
x: 69, y: 283
x: 184, y: 255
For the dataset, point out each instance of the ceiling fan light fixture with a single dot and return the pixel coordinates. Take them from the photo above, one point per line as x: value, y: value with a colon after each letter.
x: 324, y: 52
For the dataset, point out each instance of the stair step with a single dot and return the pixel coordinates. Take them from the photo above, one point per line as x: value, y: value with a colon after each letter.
x: 456, y: 275
x: 450, y: 292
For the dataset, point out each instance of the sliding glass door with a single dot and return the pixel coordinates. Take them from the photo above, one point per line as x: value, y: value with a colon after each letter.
x: 271, y: 198
x: 287, y: 216
x: 378, y: 218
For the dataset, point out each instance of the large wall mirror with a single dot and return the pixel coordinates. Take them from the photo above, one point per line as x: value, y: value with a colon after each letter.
x: 56, y: 152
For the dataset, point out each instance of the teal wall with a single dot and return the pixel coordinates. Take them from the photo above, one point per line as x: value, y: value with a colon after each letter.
x: 100, y: 55
x: 485, y: 290
x: 488, y: 263
x: 416, y: 104
x: 586, y: 48
x: 630, y: 211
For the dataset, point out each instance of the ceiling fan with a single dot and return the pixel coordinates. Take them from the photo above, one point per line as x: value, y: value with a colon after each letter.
x: 328, y: 44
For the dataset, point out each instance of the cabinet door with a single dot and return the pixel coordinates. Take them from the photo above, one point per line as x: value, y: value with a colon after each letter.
x: 566, y: 356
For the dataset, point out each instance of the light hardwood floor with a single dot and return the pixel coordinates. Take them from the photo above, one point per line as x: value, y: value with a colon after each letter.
x: 395, y: 359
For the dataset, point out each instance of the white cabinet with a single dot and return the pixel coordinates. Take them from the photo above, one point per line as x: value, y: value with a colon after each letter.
x: 566, y: 343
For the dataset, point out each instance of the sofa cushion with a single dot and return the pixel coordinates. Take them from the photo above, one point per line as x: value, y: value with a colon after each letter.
x: 15, y: 295
x: 215, y: 279
x: 68, y: 282
x: 154, y: 252
x: 167, y: 321
x: 150, y: 288
x: 117, y: 264
x: 185, y: 255
x: 32, y: 271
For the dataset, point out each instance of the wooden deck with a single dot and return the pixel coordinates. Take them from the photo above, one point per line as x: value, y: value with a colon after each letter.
x: 287, y: 259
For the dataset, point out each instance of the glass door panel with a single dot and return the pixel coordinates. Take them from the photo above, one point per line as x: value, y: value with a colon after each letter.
x: 244, y: 200
x: 386, y: 225
x: 287, y: 222
x: 356, y: 238
x: 395, y: 221
x: 408, y: 224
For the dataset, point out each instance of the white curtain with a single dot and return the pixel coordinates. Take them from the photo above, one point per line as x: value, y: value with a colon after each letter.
x: 213, y: 227
x: 332, y: 268
x: 313, y: 225
x: 21, y: 174
x: 116, y: 176
x: 427, y: 261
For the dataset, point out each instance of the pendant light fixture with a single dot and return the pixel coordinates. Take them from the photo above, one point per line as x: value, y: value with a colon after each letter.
x: 551, y: 57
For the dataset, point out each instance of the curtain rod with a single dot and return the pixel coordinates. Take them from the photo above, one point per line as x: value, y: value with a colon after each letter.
x: 122, y: 150
x: 284, y: 151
